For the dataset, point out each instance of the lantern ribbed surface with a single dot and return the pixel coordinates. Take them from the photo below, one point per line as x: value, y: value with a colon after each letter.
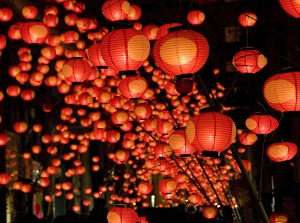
x: 211, y: 131
x: 76, y: 70
x: 34, y: 32
x: 249, y: 60
x: 122, y: 215
x: 125, y: 49
x: 180, y: 144
x: 261, y: 124
x: 181, y: 52
x: 282, y: 91
x: 292, y: 7
x: 95, y: 56
x: 282, y: 151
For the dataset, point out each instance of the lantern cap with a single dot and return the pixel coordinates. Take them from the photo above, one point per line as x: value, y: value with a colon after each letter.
x: 128, y: 73
x: 184, y: 76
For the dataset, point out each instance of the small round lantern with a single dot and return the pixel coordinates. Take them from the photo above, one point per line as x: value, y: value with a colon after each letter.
x: 281, y: 91
x: 145, y: 187
x: 282, y: 151
x: 135, y: 13
x: 167, y: 185
x: 34, y: 32
x: 4, y: 178
x: 261, y: 124
x: 249, y: 61
x: 247, y: 138
x: 6, y: 14
x: 247, y: 19
x: 150, y: 31
x: 162, y: 150
x: 181, y: 52
x: 133, y: 86
x: 291, y: 7
x: 279, y: 218
x: 180, y: 144
x: 209, y: 212
x: 125, y: 49
x: 30, y: 11
x: 115, y: 10
x: 76, y: 70
x: 122, y: 215
x: 196, y: 17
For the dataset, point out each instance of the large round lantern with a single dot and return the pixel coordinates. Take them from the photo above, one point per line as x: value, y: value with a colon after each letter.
x: 76, y: 70
x: 249, y: 61
x: 209, y: 212
x: 278, y: 218
x: 115, y: 10
x: 180, y: 144
x: 133, y: 86
x: 125, y: 49
x: 282, y: 151
x: 291, y: 7
x: 261, y: 124
x: 281, y: 91
x: 122, y: 215
x: 181, y: 52
x: 34, y: 32
x: 211, y: 131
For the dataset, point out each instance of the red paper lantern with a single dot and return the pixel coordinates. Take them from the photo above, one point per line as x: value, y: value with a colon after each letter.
x: 14, y: 31
x: 247, y: 19
x: 246, y: 163
x: 180, y: 144
x: 162, y: 150
x: 29, y: 11
x: 195, y: 199
x: 133, y: 86
x: 2, y: 42
x: 249, y: 61
x: 13, y: 90
x: 3, y: 139
x: 150, y: 31
x: 4, y: 178
x: 145, y: 187
x: 119, y: 117
x: 279, y: 218
x: 6, y: 14
x: 282, y: 151
x: 291, y: 7
x: 209, y: 212
x: 51, y: 20
x: 66, y: 185
x: 135, y: 12
x: 211, y: 131
x: 247, y: 138
x: 76, y: 70
x: 95, y: 56
x: 143, y: 111
x: 125, y: 49
x: 20, y: 127
x: 115, y: 10
x: 167, y: 185
x: 261, y: 124
x: 71, y: 19
x: 122, y: 215
x: 282, y: 91
x: 26, y: 188
x: 196, y: 17
x: 69, y: 37
x: 113, y: 136
x: 181, y: 52
x: 27, y: 94
x: 34, y: 32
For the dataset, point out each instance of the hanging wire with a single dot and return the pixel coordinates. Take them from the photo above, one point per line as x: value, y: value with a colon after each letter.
x: 262, y: 166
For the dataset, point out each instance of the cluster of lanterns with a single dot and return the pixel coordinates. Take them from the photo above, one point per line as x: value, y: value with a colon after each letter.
x: 120, y: 56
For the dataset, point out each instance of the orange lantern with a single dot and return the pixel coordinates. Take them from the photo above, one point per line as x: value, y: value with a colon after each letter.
x: 282, y: 151
x: 71, y: 19
x: 122, y: 155
x: 135, y: 13
x: 34, y: 32
x: 119, y: 117
x: 247, y: 138
x: 211, y: 131
x: 180, y: 144
x: 145, y: 187
x: 2, y: 41
x: 164, y: 29
x: 196, y: 17
x: 209, y: 212
x: 13, y: 90
x: 69, y: 37
x: 133, y: 86
x: 278, y: 218
x: 122, y: 215
x: 76, y: 70
x: 291, y: 7
x: 143, y: 111
x: 281, y: 91
x: 66, y: 185
x: 162, y: 150
x: 14, y: 31
x: 247, y: 19
x: 115, y: 10
x: 261, y: 124
x: 249, y: 61
x: 195, y: 198
x: 3, y: 139
x: 27, y: 94
x: 51, y: 20
x: 167, y: 185
x: 29, y: 11
x: 6, y: 14
x: 246, y: 163
x: 125, y: 49
x: 150, y: 31
x: 17, y: 185
x: 181, y: 52
x: 26, y: 188
x: 20, y: 127
x: 4, y: 178
x: 95, y: 56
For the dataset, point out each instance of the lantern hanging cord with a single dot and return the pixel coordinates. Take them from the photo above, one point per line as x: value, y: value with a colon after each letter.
x: 230, y: 88
x: 262, y: 166
x: 188, y: 10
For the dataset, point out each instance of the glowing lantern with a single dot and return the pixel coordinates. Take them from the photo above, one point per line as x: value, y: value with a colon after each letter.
x: 247, y: 138
x: 2, y: 42
x: 145, y: 187
x: 261, y: 124
x: 44, y: 182
x: 167, y: 185
x: 181, y: 52
x: 71, y: 19
x: 95, y: 56
x: 281, y: 91
x: 34, y: 32
x: 29, y: 11
x: 195, y: 198
x: 17, y: 185
x: 66, y: 185
x: 291, y: 7
x: 76, y: 70
x: 150, y: 31
x: 164, y: 127
x: 4, y: 178
x: 247, y: 19
x: 180, y: 144
x: 26, y: 188
x: 51, y: 20
x: 143, y: 111
x: 162, y: 150
x: 119, y: 117
x: 115, y: 10
x: 122, y: 155
x: 122, y: 215
x: 135, y: 13
x: 13, y: 90
x: 69, y: 37
x: 6, y: 14
x: 27, y: 94
x: 125, y: 49
x: 211, y: 131
x: 209, y: 212
x: 195, y: 17
x: 246, y: 163
x: 20, y: 127
x: 14, y: 31
x: 282, y: 151
x: 278, y: 218
x: 3, y: 139
x: 133, y: 86
x: 249, y: 61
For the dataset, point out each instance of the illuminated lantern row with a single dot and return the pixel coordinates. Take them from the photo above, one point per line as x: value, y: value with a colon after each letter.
x: 115, y: 10
x: 278, y: 218
x: 34, y: 32
x: 281, y: 91
x: 76, y: 70
x: 291, y: 7
x: 180, y: 144
x: 125, y: 49
x: 122, y: 215
x: 261, y: 124
x: 181, y: 52
x: 209, y: 212
x: 211, y: 131
x: 282, y: 151
x: 249, y: 61
x: 247, y: 19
